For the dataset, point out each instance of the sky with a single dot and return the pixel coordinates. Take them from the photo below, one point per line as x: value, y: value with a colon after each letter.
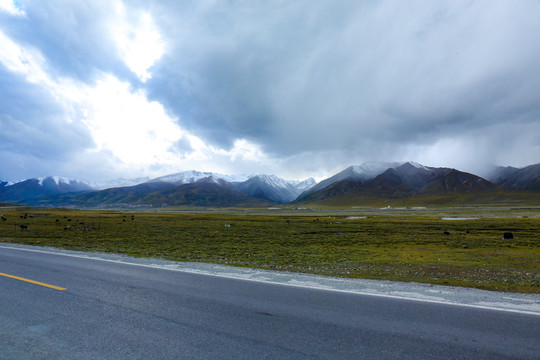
x: 99, y: 90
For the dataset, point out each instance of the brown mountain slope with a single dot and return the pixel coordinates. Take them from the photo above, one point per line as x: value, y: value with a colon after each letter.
x: 410, y: 182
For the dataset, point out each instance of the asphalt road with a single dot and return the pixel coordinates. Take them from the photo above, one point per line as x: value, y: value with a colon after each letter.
x: 112, y: 310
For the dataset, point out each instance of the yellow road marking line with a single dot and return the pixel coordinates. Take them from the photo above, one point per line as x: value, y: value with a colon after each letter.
x: 33, y: 282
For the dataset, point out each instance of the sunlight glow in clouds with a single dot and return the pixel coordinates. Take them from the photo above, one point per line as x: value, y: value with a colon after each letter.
x: 11, y: 7
x: 126, y: 123
x: 122, y: 121
x: 22, y: 60
x: 246, y: 151
x: 291, y: 88
x: 140, y: 44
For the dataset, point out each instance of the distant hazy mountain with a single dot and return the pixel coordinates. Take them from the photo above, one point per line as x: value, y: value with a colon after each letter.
x: 527, y: 178
x: 22, y: 191
x: 273, y: 188
x: 499, y: 173
x: 119, y: 182
x: 304, y: 185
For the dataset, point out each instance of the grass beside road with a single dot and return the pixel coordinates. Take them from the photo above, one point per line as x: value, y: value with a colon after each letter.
x: 411, y: 246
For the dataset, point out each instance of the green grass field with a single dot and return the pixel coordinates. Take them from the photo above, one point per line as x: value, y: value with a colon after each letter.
x: 393, y: 245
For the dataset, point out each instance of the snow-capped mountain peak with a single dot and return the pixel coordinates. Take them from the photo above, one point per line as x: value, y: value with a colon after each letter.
x: 274, y: 188
x: 54, y: 181
x: 277, y: 182
x: 366, y: 171
x: 305, y: 184
x: 273, y: 180
x: 417, y: 165
x: 28, y: 189
x: 6, y: 183
x: 191, y: 176
x: 58, y: 180
x: 373, y: 168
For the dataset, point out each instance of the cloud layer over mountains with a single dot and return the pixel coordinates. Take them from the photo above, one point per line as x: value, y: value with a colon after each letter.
x: 99, y: 90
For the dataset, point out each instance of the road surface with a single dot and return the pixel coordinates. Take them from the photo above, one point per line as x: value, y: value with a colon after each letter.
x: 54, y: 306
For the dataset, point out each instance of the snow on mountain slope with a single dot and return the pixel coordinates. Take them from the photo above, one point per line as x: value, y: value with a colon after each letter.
x: 366, y: 171
x: 191, y: 176
x: 274, y: 181
x: 304, y: 185
x: 419, y: 166
x: 273, y: 188
x: 374, y: 168
x: 51, y: 182
x: 61, y: 181
x: 46, y: 186
x: 119, y: 182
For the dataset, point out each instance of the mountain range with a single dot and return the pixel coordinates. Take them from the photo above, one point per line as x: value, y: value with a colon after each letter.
x: 188, y: 188
x: 369, y: 183
x: 527, y: 178
x: 27, y: 190
x: 405, y: 181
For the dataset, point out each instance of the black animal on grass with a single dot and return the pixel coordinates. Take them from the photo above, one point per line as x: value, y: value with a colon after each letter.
x: 508, y: 236
x: 23, y: 227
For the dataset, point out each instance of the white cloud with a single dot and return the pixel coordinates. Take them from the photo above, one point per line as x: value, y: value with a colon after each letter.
x: 27, y: 61
x: 245, y: 151
x: 122, y: 121
x: 292, y: 88
x: 129, y: 130
x: 134, y: 129
x: 139, y: 42
x: 12, y: 7
x: 139, y: 133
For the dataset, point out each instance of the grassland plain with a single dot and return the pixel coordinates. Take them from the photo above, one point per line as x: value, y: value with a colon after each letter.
x: 401, y: 245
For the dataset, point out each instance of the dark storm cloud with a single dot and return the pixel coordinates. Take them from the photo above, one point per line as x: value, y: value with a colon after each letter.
x: 319, y: 76
x: 73, y: 36
x: 33, y: 125
x: 316, y: 84
x: 64, y: 44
